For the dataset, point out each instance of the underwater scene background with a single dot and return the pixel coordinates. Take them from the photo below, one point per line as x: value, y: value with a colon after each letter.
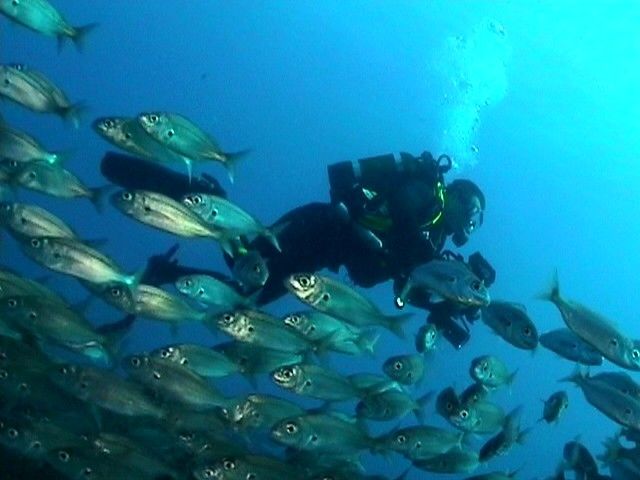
x: 535, y: 102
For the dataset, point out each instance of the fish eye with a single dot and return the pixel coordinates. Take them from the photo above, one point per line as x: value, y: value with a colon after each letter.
x: 214, y: 212
x: 35, y: 243
x: 128, y: 196
x: 200, y: 292
x: 291, y: 428
x: 63, y: 456
x: 292, y: 320
x: 397, y: 366
x: 84, y: 385
x: 7, y: 82
x: 227, y: 318
x: 153, y: 118
x: 33, y: 315
x: 64, y: 370
x: 156, y: 375
x: 463, y: 414
x: 12, y: 302
x: 165, y: 353
x: 196, y: 199
x: 116, y: 292
x: 635, y: 353
x: 287, y: 373
x: 208, y: 473
x: 4, y: 374
x: 87, y: 472
x: 326, y: 297
x: 475, y: 286
x: 188, y: 282
x: 229, y: 465
x: 109, y: 123
x: 13, y: 433
x: 36, y: 445
x: 257, y: 268
x: 314, y: 438
x: 31, y: 175
x: 527, y: 331
x: 401, y: 438
x: 627, y: 411
x: 251, y: 476
x: 449, y: 406
x: 135, y: 361
x: 304, y: 281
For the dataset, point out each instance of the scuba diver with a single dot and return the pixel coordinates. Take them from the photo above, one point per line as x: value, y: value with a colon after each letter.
x: 387, y: 215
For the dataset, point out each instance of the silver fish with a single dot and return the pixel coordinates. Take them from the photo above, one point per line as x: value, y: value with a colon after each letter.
x: 491, y: 371
x: 181, y: 135
x: 106, y: 390
x: 33, y: 221
x: 127, y: 133
x: 42, y: 17
x: 453, y: 461
x: 56, y: 181
x: 162, y: 212
x: 322, y: 433
x: 405, y: 369
x: 211, y: 291
x: 34, y: 91
x: 227, y: 216
x: 340, y: 301
x: 174, y: 382
x: 510, y: 321
x: 317, y: 382
x: 261, y: 329
x: 621, y: 408
x: 567, y: 344
x: 22, y: 148
x: 203, y: 361
x: 449, y: 280
x: 596, y: 330
x: 555, y: 406
x: 332, y: 333
x: 74, y: 258
x: 419, y: 442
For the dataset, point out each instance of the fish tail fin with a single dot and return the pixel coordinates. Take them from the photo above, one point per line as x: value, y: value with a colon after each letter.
x: 612, y: 450
x: 98, y: 195
x: 115, y: 332
x: 395, y: 324
x: 231, y: 159
x: 553, y: 294
x: 132, y: 281
x: 80, y: 34
x: 404, y: 475
x: 522, y: 435
x: 421, y: 403
x: 72, y: 113
x: 577, y: 376
x: 272, y: 238
x: 367, y: 340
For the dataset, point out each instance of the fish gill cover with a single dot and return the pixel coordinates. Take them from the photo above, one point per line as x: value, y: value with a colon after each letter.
x: 147, y: 153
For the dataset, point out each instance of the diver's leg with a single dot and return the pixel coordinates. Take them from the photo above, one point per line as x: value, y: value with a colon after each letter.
x: 164, y: 269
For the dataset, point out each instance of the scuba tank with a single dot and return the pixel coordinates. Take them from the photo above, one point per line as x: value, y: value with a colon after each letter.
x: 362, y: 187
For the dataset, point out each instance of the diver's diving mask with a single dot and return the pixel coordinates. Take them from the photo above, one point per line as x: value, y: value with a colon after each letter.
x: 471, y: 222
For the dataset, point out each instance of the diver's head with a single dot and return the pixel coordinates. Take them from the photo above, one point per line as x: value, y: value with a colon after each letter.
x: 463, y: 210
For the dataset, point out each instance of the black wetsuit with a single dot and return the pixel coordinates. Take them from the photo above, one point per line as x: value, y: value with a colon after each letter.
x: 320, y: 235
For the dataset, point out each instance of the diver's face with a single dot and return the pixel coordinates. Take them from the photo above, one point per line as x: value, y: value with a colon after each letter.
x: 464, y: 219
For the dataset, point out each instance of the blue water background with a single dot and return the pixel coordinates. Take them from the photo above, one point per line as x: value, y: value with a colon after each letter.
x: 307, y: 83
